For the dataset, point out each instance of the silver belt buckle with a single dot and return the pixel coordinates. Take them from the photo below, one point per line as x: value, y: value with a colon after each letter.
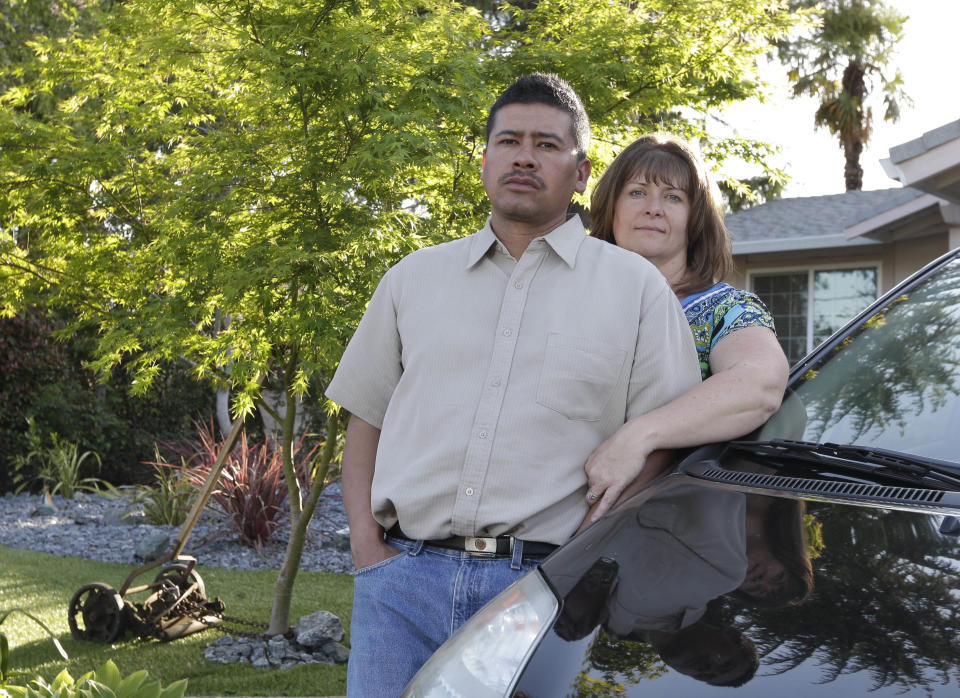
x: 483, y: 547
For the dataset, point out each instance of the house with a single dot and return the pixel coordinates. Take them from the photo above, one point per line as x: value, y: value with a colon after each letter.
x: 817, y: 261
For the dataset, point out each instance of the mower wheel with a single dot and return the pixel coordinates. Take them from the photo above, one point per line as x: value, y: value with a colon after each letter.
x: 96, y: 613
x: 174, y: 573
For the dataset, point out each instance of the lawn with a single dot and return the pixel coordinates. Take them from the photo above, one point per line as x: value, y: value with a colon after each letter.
x: 44, y: 584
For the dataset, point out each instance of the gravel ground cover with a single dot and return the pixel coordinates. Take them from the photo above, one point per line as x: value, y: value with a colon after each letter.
x: 88, y: 526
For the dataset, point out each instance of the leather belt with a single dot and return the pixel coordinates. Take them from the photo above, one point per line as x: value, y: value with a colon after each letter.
x: 501, y: 546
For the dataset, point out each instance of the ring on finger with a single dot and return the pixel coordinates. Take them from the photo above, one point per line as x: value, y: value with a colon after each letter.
x: 592, y: 496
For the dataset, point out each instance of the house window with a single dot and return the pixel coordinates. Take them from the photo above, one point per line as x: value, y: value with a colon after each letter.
x: 810, y: 305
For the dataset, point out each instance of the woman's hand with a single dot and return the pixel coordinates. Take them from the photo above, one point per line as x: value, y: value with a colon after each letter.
x: 749, y: 372
x: 613, y: 465
x: 653, y: 467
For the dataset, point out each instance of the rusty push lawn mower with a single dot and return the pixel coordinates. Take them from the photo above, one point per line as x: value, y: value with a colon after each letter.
x: 176, y: 604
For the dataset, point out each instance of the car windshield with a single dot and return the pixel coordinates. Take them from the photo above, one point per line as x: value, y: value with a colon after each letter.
x: 894, y: 383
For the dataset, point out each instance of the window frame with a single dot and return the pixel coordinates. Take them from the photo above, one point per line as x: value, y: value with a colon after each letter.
x: 811, y: 270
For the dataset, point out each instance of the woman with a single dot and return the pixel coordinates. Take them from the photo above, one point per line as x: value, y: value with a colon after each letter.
x: 779, y: 571
x: 655, y: 199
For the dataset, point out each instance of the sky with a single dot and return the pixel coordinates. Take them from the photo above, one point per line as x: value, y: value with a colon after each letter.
x: 927, y: 56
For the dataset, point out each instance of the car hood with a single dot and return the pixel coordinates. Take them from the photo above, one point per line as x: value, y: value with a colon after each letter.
x: 692, y: 581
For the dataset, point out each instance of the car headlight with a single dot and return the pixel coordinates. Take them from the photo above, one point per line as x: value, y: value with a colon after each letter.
x: 483, y: 658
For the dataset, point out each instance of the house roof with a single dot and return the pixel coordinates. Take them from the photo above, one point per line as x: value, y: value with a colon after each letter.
x: 812, y: 221
x: 925, y: 143
x: 930, y: 162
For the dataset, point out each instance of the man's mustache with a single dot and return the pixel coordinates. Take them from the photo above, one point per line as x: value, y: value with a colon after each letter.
x: 523, y: 175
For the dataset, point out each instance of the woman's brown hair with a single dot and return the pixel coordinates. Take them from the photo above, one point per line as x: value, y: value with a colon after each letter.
x: 667, y: 159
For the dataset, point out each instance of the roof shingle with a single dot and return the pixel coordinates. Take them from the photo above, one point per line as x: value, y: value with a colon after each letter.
x: 814, y: 216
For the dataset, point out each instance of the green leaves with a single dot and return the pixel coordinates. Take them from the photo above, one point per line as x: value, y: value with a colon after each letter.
x: 105, y: 682
x: 57, y: 466
x: 266, y: 164
x: 5, y: 672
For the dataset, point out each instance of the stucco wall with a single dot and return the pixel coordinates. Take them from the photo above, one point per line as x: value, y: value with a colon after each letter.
x: 897, y: 260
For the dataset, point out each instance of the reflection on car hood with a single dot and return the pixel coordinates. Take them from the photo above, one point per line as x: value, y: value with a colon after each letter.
x: 691, y: 582
x: 889, y: 380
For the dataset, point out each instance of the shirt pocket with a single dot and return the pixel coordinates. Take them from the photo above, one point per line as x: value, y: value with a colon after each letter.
x: 578, y: 376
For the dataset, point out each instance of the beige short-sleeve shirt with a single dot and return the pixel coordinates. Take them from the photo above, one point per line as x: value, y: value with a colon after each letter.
x: 493, y: 379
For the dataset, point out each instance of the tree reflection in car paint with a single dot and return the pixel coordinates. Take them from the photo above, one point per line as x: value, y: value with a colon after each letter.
x: 894, y: 382
x: 882, y: 604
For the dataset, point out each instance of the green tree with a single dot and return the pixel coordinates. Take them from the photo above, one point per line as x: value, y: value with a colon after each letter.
x: 898, y: 632
x: 840, y: 62
x: 742, y: 194
x: 21, y: 20
x: 225, y: 182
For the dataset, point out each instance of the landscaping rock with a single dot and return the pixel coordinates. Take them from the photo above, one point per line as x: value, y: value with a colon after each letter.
x: 123, y: 515
x: 319, y: 628
x: 277, y: 649
x: 280, y: 651
x: 336, y: 652
x: 152, y: 546
x: 258, y: 657
x: 341, y: 539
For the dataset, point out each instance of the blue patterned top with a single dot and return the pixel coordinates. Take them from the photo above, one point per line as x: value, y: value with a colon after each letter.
x: 718, y: 311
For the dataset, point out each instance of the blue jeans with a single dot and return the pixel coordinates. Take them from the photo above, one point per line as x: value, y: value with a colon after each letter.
x: 405, y: 607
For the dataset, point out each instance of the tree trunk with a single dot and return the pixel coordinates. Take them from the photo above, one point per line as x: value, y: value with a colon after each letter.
x: 852, y: 172
x: 855, y: 134
x: 277, y: 400
x: 300, y: 521
x: 223, y: 410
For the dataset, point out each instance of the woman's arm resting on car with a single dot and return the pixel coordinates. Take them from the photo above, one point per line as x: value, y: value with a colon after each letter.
x: 748, y: 377
x: 656, y: 464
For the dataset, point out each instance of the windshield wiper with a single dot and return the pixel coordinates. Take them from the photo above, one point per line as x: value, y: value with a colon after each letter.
x: 847, y: 459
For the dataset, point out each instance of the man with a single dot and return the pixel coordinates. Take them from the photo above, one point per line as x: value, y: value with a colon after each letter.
x: 719, y: 656
x: 484, y: 372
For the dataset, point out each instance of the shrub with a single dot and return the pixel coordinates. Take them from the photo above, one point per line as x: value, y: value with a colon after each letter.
x: 46, y: 378
x: 28, y: 360
x: 251, y: 492
x: 167, y: 501
x: 57, y: 467
x: 105, y: 682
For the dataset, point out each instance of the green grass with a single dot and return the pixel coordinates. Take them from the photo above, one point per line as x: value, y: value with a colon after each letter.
x: 44, y: 584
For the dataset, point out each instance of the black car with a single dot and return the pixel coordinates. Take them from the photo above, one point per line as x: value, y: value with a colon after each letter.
x: 818, y: 556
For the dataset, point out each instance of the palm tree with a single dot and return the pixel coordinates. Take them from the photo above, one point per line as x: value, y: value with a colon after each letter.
x: 840, y: 62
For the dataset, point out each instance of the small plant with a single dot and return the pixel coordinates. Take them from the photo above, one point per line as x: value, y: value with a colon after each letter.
x: 167, y: 501
x: 251, y: 492
x: 105, y: 682
x: 56, y: 466
x: 5, y: 672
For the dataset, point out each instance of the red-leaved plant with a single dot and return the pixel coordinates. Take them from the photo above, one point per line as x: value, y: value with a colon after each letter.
x: 251, y: 491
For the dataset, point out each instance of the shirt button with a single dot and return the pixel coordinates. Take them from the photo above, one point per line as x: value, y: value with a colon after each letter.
x: 482, y: 434
x: 469, y: 491
x: 507, y: 332
x: 519, y: 284
x: 495, y: 382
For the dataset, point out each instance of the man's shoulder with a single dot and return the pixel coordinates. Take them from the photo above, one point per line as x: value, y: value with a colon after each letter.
x: 609, y: 256
x: 441, y: 253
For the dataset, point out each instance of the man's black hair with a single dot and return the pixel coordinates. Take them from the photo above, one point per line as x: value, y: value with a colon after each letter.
x: 748, y: 651
x: 552, y: 90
